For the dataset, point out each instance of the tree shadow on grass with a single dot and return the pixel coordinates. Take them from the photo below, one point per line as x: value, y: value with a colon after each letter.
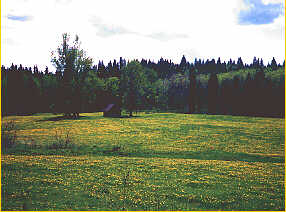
x: 208, y: 155
x: 61, y: 118
x: 121, y: 151
x: 125, y: 116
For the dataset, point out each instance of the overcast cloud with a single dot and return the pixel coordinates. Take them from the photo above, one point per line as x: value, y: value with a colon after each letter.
x: 148, y: 29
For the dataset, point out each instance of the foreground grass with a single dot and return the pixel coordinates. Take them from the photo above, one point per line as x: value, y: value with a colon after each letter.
x: 158, y: 161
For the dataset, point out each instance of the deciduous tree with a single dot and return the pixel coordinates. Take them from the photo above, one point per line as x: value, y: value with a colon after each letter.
x: 72, y: 65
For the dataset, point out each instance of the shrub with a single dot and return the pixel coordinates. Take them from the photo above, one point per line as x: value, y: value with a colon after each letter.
x: 32, y: 144
x: 63, y: 140
x: 8, y: 134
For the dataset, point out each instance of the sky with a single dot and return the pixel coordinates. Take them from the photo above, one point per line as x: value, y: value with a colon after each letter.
x: 149, y: 29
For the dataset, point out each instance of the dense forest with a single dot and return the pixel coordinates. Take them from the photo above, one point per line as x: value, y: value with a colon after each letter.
x: 203, y: 86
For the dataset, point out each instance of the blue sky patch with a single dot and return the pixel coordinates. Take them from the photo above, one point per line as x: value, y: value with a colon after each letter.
x: 259, y: 13
x: 19, y: 18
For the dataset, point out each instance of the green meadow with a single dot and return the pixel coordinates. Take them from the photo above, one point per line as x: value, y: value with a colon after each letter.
x: 153, y: 161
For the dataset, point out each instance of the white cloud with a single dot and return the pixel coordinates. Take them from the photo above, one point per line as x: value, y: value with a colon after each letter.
x: 130, y: 29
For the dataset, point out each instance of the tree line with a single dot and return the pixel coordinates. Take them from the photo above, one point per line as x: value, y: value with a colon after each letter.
x: 78, y: 85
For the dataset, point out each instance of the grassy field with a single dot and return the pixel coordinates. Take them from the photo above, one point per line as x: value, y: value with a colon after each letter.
x: 154, y: 161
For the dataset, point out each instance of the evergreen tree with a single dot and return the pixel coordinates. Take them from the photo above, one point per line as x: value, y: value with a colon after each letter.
x: 122, y: 63
x: 101, y: 70
x: 258, y: 90
x: 192, y: 95
x: 225, y: 97
x: 199, y: 96
x: 274, y: 64
x: 213, y: 94
x: 235, y: 97
x: 240, y: 63
x: 219, y: 66
x: 183, y: 64
x: 229, y: 65
x: 46, y: 70
x: 255, y: 63
x: 248, y: 96
x: 261, y: 65
x: 115, y: 69
x: 280, y: 100
x: 109, y: 69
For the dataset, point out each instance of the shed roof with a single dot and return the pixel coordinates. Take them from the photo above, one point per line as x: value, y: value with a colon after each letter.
x: 108, y: 107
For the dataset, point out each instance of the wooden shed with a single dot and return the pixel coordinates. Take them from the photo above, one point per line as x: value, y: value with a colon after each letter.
x: 112, y: 110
